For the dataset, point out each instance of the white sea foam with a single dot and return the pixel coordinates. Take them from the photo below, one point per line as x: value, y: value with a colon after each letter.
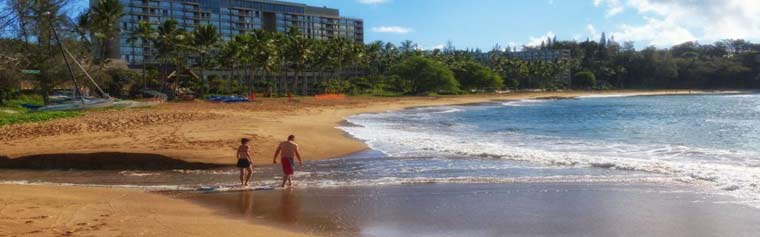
x: 452, y: 110
x: 606, y: 95
x: 526, y: 102
x: 138, y: 174
x: 734, y: 177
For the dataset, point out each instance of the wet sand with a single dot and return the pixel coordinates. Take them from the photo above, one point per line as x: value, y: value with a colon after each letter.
x: 537, y: 209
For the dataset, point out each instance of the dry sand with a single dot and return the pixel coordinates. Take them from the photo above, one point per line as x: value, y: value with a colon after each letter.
x: 80, y: 211
x: 199, y: 132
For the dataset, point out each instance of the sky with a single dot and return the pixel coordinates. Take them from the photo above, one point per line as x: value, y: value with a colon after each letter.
x: 485, y: 23
x: 514, y: 23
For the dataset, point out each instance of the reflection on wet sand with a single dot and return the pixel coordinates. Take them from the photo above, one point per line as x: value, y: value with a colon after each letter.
x: 490, y: 210
x: 288, y: 207
x: 246, y: 203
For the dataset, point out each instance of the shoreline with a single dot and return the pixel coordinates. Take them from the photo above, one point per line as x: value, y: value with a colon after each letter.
x: 317, y: 121
x: 209, y: 133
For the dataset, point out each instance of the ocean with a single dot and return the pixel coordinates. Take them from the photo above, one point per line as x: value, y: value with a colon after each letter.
x: 711, y: 141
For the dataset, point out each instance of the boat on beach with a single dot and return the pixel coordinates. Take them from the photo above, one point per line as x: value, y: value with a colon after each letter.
x: 82, y: 104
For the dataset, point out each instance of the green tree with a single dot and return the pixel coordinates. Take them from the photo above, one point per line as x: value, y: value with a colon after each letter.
x: 474, y: 76
x: 230, y: 55
x: 584, y: 79
x: 143, y: 36
x: 420, y: 75
x: 298, y: 50
x: 172, y: 44
x: 205, y: 40
x: 105, y: 16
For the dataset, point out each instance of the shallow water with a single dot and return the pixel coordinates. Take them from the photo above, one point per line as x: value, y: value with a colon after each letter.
x: 702, y: 139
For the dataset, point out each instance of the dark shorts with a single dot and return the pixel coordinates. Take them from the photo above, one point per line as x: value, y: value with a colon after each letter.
x: 287, y: 165
x: 243, y: 163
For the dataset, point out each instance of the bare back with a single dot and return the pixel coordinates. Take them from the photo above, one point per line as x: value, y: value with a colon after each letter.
x: 288, y: 149
x: 243, y: 152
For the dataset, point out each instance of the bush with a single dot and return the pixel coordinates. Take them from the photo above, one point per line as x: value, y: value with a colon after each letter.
x: 9, y: 87
x: 584, y: 80
x: 419, y: 75
x: 474, y: 76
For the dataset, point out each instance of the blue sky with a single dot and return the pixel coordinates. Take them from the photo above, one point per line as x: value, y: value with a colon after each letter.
x: 484, y: 23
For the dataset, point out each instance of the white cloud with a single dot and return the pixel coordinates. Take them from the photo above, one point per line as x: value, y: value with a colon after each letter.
x: 439, y: 46
x: 392, y: 29
x: 655, y: 32
x: 373, y: 1
x: 592, y: 33
x: 614, y: 11
x: 669, y: 22
x: 536, y: 41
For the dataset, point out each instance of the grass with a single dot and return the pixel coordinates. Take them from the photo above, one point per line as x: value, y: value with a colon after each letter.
x: 13, y: 112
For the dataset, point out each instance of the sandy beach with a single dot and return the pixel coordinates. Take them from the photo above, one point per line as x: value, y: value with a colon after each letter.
x: 192, y: 135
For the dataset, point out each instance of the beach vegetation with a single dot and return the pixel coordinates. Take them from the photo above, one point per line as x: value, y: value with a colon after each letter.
x: 584, y: 80
x: 420, y: 75
x: 13, y: 111
x: 473, y: 76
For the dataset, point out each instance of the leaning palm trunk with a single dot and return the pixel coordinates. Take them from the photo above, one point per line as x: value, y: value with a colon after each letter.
x: 295, y: 80
x: 305, y: 82
x: 230, y: 79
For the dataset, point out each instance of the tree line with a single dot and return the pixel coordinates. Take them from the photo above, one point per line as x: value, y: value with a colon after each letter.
x: 281, y: 63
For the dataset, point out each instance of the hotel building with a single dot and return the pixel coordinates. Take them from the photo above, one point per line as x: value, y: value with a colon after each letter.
x: 231, y: 18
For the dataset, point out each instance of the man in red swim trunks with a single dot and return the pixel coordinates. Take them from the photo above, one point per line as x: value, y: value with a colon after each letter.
x: 288, y: 150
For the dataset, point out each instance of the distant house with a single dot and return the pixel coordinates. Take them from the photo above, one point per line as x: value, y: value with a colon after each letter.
x: 547, y: 55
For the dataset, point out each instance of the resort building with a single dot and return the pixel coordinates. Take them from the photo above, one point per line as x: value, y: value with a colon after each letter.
x: 541, y: 55
x: 231, y: 17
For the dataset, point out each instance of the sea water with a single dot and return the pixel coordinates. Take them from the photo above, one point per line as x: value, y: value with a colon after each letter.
x: 711, y: 141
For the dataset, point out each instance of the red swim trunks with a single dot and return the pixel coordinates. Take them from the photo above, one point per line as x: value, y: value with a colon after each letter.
x: 287, y: 165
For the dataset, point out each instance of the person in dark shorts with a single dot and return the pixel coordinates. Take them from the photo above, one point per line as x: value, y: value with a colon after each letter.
x: 244, y: 161
x: 288, y: 150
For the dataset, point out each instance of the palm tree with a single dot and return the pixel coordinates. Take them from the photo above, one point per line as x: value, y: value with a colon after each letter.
x: 356, y: 56
x: 205, y: 38
x: 298, y: 50
x: 321, y: 58
x: 229, y: 54
x: 408, y: 47
x: 105, y: 16
x: 374, y: 55
x: 390, y: 57
x: 83, y: 25
x: 145, y: 34
x: 261, y: 53
x: 171, y: 43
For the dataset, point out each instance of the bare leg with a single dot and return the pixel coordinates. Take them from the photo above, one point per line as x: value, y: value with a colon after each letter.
x: 290, y: 181
x: 241, y: 177
x: 249, y: 175
x: 284, y: 179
